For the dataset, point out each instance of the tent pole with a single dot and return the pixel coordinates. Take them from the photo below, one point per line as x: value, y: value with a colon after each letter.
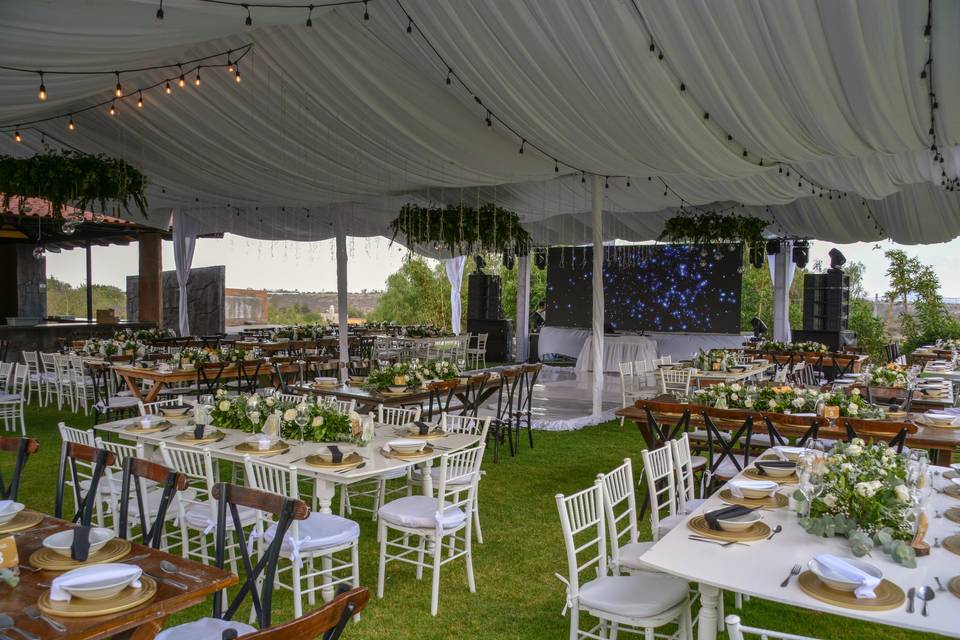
x: 89, y: 283
x: 342, y: 294
x: 596, y: 183
x: 781, y: 293
x: 523, y: 308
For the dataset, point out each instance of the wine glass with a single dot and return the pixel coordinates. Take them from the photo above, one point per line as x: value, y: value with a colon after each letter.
x: 253, y: 413
x: 302, y: 419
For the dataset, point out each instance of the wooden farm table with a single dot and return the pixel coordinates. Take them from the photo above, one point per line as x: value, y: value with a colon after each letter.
x: 702, y: 377
x: 368, y: 400
x: 139, y: 623
x: 814, y: 358
x: 160, y: 379
x: 942, y: 441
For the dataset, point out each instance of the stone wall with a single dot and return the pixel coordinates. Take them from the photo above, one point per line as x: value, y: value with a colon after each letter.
x: 246, y: 306
x: 31, y: 283
x: 205, y: 300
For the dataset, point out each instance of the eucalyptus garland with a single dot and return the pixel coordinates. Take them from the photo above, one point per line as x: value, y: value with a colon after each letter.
x: 713, y: 228
x: 69, y: 178
x: 463, y: 230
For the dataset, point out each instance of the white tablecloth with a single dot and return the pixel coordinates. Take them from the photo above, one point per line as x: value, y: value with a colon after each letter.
x: 565, y: 341
x: 617, y: 349
x: 681, y: 345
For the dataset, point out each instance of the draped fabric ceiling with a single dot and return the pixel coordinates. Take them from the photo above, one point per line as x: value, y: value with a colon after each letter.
x: 354, y: 118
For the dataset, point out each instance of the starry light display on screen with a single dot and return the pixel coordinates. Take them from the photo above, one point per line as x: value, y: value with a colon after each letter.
x: 653, y: 288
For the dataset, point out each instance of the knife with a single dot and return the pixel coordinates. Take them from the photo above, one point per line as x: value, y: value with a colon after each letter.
x: 911, y: 593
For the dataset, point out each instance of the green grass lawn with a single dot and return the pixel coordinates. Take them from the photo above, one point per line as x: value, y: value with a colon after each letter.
x: 517, y: 593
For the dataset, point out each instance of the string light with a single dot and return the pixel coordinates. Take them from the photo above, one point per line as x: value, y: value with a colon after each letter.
x: 310, y: 17
x: 181, y: 82
x: 196, y: 80
x: 229, y: 62
x: 449, y: 71
x: 113, y: 108
x: 42, y: 93
x: 523, y: 143
x: 139, y: 100
x: 488, y: 119
x: 166, y: 88
x: 118, y: 90
x: 237, y: 77
x: 17, y: 136
x: 160, y: 11
x: 249, y: 20
x: 70, y: 125
x: 409, y: 26
x: 366, y: 14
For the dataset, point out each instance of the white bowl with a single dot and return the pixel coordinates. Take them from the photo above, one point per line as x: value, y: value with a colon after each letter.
x: 326, y: 380
x: 792, y: 453
x: 937, y: 417
x: 740, y: 523
x: 324, y: 453
x: 102, y: 589
x: 836, y: 582
x: 755, y: 489
x: 775, y: 471
x: 175, y: 411
x: 10, y: 512
x: 61, y: 541
x: 406, y: 446
x: 397, y: 388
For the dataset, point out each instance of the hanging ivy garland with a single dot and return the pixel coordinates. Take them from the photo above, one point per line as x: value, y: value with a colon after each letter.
x: 713, y: 228
x: 69, y: 178
x: 462, y: 230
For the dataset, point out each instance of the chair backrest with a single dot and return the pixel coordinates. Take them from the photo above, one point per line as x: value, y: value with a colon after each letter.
x: 473, y: 392
x: 661, y: 485
x: 32, y: 360
x: 465, y: 424
x: 456, y: 470
x: 871, y: 429
x: 584, y: 535
x: 295, y: 398
x: 325, y: 623
x: 683, y: 466
x: 99, y: 459
x: 153, y: 408
x: 20, y: 380
x: 259, y: 578
x: 717, y: 444
x: 620, y: 507
x: 48, y: 364
x: 674, y: 380
x: 22, y: 448
x: 397, y: 416
x: 209, y: 375
x: 343, y: 406
x: 135, y: 472
x: 626, y: 370
x: 197, y: 466
x: 72, y: 434
x: 508, y: 395
x: 442, y: 393
x: 248, y: 375
x: 6, y: 375
x: 529, y: 373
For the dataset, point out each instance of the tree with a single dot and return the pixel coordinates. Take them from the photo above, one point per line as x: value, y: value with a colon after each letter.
x: 416, y: 294
x: 900, y: 271
x: 65, y: 300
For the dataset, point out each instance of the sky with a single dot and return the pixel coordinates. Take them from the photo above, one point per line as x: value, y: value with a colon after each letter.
x: 260, y: 264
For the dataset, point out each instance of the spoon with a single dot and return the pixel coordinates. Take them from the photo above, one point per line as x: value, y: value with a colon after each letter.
x: 940, y: 586
x: 6, y: 622
x: 169, y: 567
x: 911, y: 593
x: 775, y: 531
x: 34, y: 614
x: 926, y: 594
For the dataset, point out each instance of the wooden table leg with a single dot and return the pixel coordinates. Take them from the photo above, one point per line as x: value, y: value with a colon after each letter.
x: 152, y: 392
x: 942, y: 457
x: 146, y: 631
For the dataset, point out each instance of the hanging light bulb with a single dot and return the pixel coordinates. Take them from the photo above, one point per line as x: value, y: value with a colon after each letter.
x: 118, y: 90
x: 16, y: 136
x: 139, y: 100
x: 70, y: 125
x: 166, y: 88
x: 237, y: 77
x: 310, y: 17
x: 181, y: 82
x: 39, y: 253
x: 196, y: 80
x: 249, y: 20
x: 160, y: 11
x: 113, y: 108
x: 229, y: 61
x: 42, y: 94
x: 366, y: 14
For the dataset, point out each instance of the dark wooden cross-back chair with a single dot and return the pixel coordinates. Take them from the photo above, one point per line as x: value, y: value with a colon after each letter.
x: 210, y: 342
x: 442, y: 392
x: 209, y: 375
x: 71, y: 453
x: 720, y: 449
x: 902, y: 398
x: 105, y: 404
x: 661, y: 434
x: 248, y: 375
x: 501, y: 427
x: 135, y: 471
x: 325, y: 623
x: 284, y: 375
x: 778, y: 440
x: 528, y: 380
x: 23, y: 448
x: 781, y: 360
x: 842, y: 364
x: 473, y: 393
x: 870, y: 430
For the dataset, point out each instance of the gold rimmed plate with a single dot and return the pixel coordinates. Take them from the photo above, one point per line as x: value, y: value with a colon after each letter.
x: 22, y: 521
x: 426, y: 451
x: 252, y: 449
x: 214, y: 436
x: 952, y: 514
x: 889, y: 595
x: 952, y: 544
x: 953, y: 491
x: 414, y: 434
x: 50, y: 560
x: 350, y: 461
x: 757, y: 531
x: 753, y: 474
x: 77, y: 608
x: 775, y: 501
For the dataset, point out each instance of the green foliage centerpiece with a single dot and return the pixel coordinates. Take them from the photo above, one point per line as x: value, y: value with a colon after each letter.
x: 865, y: 498
x: 785, y: 399
x: 301, y: 332
x: 324, y: 423
x: 889, y: 375
x: 776, y: 346
x: 715, y: 360
x: 462, y: 230
x: 713, y: 228
x: 411, y: 374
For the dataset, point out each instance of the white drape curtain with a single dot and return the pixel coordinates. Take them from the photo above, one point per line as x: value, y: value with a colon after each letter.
x: 522, y: 326
x: 342, y: 316
x: 598, y: 302
x: 454, y: 267
x: 782, y: 270
x: 184, y: 243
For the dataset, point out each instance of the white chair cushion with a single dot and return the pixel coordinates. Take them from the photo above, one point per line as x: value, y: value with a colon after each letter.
x: 669, y: 523
x: 639, y: 595
x: 198, y: 516
x: 630, y: 554
x: 727, y: 469
x: 119, y: 402
x: 692, y: 505
x: 393, y: 474
x: 420, y: 512
x: 319, y: 530
x: 204, y: 629
x: 10, y: 397
x: 702, y: 435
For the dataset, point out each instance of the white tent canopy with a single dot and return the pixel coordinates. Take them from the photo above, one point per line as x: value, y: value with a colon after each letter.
x: 353, y: 117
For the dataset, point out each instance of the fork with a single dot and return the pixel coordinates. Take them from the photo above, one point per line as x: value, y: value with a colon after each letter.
x: 795, y: 571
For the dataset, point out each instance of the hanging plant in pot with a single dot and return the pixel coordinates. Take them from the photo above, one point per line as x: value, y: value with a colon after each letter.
x: 69, y: 178
x: 463, y: 230
x: 713, y: 228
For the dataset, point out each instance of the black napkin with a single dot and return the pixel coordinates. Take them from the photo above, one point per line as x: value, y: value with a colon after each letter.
x: 335, y: 454
x: 725, y: 514
x: 776, y: 464
x: 423, y: 427
x: 198, y: 432
x: 80, y: 548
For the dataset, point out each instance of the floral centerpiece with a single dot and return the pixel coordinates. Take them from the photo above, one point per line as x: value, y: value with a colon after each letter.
x: 411, y: 374
x: 142, y: 334
x: 101, y: 347
x: 890, y: 375
x: 865, y: 498
x: 776, y: 399
x: 195, y: 355
x: 776, y: 346
x: 423, y: 331
x: 949, y: 343
x: 852, y: 404
x: 229, y: 354
x: 715, y: 360
x: 300, y: 332
x: 324, y: 423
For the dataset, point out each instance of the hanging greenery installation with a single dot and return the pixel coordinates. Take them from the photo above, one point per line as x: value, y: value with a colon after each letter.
x: 462, y: 230
x: 69, y: 178
x: 713, y: 228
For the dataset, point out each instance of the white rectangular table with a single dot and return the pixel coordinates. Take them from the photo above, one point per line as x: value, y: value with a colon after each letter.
x: 758, y: 569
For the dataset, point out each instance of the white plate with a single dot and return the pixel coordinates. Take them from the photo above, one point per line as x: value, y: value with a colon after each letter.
x: 324, y: 453
x: 740, y: 523
x: 62, y: 541
x: 776, y: 472
x: 755, y: 489
x: 10, y: 512
x: 937, y: 418
x: 406, y: 446
x: 326, y: 380
x: 834, y: 581
x: 105, y: 588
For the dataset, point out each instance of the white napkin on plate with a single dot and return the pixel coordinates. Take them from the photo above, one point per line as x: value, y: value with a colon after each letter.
x: 262, y: 440
x: 4, y: 505
x: 93, y: 574
x: 847, y: 571
x: 736, y: 486
x: 955, y: 481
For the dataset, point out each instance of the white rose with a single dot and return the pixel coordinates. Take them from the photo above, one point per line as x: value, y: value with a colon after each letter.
x: 224, y: 405
x: 889, y: 452
x: 221, y: 393
x: 748, y: 403
x: 830, y: 500
x: 855, y: 391
x: 771, y: 403
x: 253, y: 401
x: 721, y: 385
x: 798, y: 402
x: 858, y: 441
x: 302, y: 406
x: 845, y: 467
x: 289, y: 415
x: 317, y: 421
x: 734, y: 397
x: 271, y: 401
x: 854, y: 450
x: 853, y: 409
x: 864, y: 489
x: 735, y: 387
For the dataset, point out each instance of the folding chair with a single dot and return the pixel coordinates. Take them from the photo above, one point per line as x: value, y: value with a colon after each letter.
x: 23, y: 447
x: 99, y: 458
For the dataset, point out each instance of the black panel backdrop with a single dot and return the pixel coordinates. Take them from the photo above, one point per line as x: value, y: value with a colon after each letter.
x: 669, y: 287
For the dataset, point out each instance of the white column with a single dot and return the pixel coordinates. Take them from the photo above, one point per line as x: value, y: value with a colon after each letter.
x: 782, y: 277
x: 597, y: 224
x: 522, y: 325
x: 342, y: 293
x: 454, y: 267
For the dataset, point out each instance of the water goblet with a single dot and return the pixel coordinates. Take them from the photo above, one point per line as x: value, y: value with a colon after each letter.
x: 302, y: 419
x: 254, y: 416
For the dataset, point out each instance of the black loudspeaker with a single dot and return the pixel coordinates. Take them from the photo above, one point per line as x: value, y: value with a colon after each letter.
x: 826, y: 301
x: 499, y: 338
x: 483, y: 297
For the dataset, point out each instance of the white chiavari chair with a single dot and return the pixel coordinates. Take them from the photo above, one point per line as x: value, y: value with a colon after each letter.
x: 685, y: 464
x: 32, y: 360
x: 51, y: 383
x: 675, y: 381
x: 620, y: 508
x: 736, y: 631
x: 15, y: 381
x: 662, y: 489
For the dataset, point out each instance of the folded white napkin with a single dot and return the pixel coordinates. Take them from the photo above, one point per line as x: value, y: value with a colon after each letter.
x: 955, y: 412
x: 4, y: 505
x: 94, y: 574
x: 737, y: 486
x: 955, y: 481
x: 847, y: 571
x: 262, y: 440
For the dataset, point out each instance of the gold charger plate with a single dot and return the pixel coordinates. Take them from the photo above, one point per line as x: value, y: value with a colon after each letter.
x: 953, y: 491
x: 954, y: 586
x: 952, y: 544
x: 351, y: 461
x: 426, y: 451
x: 50, y: 560
x: 952, y: 514
x: 414, y: 434
x: 187, y: 437
x: 950, y: 475
x: 757, y: 531
x: 251, y: 449
x: 751, y: 472
x: 925, y: 423
x: 889, y: 595
x: 395, y: 394
x: 23, y: 520
x: 160, y: 426
x: 77, y: 608
x: 776, y: 501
